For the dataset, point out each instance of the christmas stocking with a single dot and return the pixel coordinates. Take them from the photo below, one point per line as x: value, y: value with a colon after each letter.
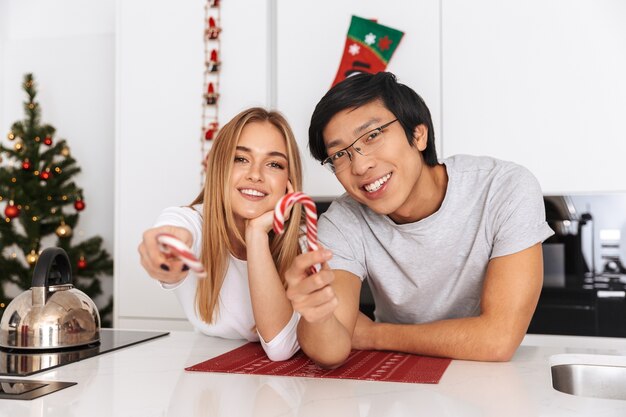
x: 369, y: 47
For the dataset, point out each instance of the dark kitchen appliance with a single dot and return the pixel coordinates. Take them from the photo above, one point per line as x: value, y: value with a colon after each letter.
x: 584, y: 291
x: 16, y: 362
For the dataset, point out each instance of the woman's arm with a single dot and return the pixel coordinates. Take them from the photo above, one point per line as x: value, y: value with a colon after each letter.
x: 270, y: 306
x: 181, y: 222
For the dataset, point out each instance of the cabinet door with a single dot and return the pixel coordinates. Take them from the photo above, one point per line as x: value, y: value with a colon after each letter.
x: 540, y: 83
x: 310, y: 41
x: 160, y: 65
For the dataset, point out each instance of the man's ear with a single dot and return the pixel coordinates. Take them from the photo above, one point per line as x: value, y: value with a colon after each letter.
x: 420, y: 137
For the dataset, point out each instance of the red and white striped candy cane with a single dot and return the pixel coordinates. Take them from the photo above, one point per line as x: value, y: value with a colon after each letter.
x: 283, y: 207
x: 170, y: 244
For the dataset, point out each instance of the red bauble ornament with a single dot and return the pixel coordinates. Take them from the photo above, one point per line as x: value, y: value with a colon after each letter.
x: 82, y: 263
x: 11, y: 210
x: 26, y: 166
x: 45, y: 175
x: 47, y: 140
x: 79, y: 205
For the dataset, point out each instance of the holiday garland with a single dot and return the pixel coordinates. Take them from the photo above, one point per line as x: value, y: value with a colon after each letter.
x: 210, y: 124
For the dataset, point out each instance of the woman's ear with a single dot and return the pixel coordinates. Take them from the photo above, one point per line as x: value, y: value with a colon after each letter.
x: 420, y: 137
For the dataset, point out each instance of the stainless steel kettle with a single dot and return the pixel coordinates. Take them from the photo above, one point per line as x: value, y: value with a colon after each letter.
x: 52, y: 314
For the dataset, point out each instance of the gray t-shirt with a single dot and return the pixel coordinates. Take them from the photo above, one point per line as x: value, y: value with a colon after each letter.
x: 434, y: 269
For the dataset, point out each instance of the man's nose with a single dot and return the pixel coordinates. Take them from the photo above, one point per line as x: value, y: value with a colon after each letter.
x: 361, y: 163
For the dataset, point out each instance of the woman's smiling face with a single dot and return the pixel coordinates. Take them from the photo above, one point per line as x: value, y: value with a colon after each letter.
x: 260, y: 171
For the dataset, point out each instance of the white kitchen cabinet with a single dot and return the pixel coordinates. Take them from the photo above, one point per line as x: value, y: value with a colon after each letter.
x: 159, y: 87
x: 540, y: 83
x: 310, y: 43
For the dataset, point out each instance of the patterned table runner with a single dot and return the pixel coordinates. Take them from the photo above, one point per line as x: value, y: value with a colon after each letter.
x: 367, y: 365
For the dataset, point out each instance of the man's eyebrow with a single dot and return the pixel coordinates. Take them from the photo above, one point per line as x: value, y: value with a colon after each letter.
x: 272, y: 153
x: 365, y: 125
x: 355, y: 132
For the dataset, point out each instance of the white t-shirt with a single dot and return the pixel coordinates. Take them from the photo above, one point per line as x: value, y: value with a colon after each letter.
x: 434, y: 269
x: 234, y: 319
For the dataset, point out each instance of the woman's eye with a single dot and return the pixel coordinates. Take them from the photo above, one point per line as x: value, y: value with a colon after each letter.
x: 240, y: 159
x: 275, y: 165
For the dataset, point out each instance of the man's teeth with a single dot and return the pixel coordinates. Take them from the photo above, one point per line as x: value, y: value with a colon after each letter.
x: 370, y: 188
x: 252, y: 192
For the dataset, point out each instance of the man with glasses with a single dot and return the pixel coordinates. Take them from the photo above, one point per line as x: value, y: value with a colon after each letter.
x: 451, y: 249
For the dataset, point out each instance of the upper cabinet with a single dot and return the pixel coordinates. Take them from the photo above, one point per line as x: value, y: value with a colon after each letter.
x: 540, y: 83
x: 310, y: 38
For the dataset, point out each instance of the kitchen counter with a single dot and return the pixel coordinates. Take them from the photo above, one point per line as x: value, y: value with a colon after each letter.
x: 148, y: 379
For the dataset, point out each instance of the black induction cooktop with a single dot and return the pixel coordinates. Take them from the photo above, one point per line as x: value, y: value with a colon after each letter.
x: 14, y: 362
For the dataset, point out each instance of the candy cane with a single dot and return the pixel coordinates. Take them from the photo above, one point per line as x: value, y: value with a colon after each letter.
x: 170, y: 244
x: 283, y: 207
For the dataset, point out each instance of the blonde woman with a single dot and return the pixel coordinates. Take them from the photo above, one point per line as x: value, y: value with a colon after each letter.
x: 253, y: 162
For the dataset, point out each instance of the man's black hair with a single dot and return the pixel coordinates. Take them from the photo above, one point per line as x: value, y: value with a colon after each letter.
x: 357, y: 90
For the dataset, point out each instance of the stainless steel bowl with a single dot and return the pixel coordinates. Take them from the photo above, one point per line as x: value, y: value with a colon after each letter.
x: 52, y: 314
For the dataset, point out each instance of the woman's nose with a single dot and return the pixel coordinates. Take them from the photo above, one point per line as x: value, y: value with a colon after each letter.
x: 254, y: 173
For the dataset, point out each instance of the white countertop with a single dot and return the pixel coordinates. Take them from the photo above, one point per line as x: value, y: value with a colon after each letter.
x: 149, y: 380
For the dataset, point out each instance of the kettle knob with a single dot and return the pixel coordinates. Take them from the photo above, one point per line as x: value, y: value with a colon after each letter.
x: 52, y: 268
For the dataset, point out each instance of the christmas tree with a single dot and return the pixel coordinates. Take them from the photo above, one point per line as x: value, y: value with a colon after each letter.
x: 43, y: 204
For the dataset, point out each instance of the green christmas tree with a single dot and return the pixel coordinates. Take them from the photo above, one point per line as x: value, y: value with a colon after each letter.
x: 42, y: 204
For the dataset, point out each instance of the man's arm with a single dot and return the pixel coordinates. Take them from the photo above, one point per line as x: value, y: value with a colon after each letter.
x: 510, y: 292
x: 328, y: 303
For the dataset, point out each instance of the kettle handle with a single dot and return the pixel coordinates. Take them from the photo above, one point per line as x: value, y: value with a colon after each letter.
x: 44, y: 264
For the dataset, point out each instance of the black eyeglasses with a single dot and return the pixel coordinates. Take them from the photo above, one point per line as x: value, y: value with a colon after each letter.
x: 364, y: 145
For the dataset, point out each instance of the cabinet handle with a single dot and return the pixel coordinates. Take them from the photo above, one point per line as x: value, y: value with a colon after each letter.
x: 611, y: 294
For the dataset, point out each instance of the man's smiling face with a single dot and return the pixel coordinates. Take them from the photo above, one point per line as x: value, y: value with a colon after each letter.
x: 385, y: 179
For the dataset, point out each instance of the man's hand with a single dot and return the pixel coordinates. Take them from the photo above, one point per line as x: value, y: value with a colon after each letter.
x: 312, y: 295
x: 160, y: 266
x: 362, y: 337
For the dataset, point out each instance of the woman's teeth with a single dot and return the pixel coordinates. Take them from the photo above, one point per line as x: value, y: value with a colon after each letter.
x: 252, y: 192
x: 375, y: 186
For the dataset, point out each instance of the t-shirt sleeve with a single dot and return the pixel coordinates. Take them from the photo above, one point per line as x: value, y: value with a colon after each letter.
x: 285, y: 344
x: 518, y: 214
x: 338, y: 231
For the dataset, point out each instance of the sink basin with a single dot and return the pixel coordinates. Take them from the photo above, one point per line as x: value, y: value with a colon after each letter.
x: 587, y: 380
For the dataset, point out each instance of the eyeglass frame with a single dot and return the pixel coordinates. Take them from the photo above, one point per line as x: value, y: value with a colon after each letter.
x: 328, y: 163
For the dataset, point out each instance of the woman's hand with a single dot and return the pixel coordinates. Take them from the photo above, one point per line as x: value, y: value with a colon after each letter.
x: 265, y: 222
x: 161, y: 266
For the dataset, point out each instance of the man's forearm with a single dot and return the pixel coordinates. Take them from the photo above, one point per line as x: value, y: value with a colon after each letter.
x: 471, y: 338
x: 327, y: 343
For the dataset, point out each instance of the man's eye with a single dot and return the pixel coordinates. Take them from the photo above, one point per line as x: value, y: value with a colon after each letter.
x: 373, y: 136
x: 338, y: 155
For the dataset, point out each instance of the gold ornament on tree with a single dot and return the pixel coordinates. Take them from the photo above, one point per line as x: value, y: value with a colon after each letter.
x: 64, y: 230
x: 32, y: 257
x: 11, y: 136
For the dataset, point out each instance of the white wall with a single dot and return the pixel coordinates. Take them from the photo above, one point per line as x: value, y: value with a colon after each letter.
x: 69, y: 46
x: 540, y: 83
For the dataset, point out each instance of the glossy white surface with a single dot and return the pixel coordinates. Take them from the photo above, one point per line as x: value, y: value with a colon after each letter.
x: 149, y: 380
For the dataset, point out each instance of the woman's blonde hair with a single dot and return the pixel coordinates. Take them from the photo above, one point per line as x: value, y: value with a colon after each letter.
x: 218, y: 219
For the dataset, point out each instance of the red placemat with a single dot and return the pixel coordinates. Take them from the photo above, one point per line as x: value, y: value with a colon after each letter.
x: 367, y: 365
